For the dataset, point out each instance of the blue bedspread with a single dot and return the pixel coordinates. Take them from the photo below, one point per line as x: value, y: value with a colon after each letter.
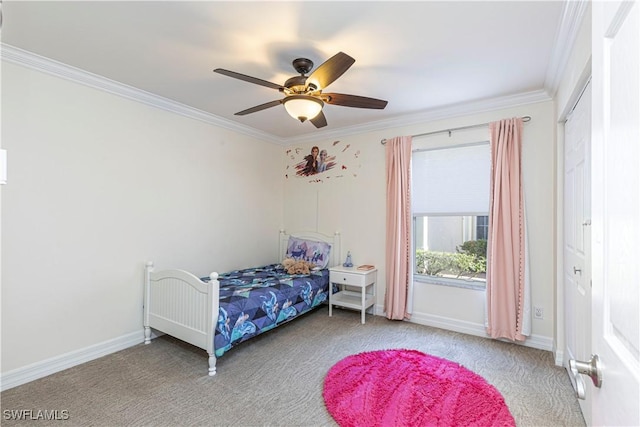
x: 256, y: 300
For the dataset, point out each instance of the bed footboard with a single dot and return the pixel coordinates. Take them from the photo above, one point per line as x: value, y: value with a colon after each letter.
x: 181, y: 305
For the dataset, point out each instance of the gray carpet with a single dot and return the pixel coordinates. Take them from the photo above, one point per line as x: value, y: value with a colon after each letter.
x: 276, y: 378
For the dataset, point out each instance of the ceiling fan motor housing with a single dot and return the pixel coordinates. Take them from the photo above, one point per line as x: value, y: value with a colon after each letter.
x: 297, y: 84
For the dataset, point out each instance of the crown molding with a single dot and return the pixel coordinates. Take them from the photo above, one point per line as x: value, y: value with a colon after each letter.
x: 463, y: 109
x: 40, y: 63
x: 36, y: 62
x: 568, y: 28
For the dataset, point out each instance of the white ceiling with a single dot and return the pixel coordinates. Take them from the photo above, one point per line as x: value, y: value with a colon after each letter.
x: 420, y: 56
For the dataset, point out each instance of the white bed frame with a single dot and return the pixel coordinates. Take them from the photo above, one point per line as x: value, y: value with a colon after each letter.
x: 179, y: 304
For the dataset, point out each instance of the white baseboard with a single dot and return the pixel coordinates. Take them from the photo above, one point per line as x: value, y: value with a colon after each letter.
x: 470, y: 328
x: 55, y: 364
x: 50, y: 366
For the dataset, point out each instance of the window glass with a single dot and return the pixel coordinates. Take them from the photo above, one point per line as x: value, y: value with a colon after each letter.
x: 448, y: 250
x: 450, y: 202
x: 482, y: 227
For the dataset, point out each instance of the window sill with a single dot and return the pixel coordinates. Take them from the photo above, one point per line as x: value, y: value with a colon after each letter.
x: 455, y: 283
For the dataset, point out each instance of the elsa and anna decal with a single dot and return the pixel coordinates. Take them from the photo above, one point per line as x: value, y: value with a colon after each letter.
x: 319, y: 165
x: 316, y: 162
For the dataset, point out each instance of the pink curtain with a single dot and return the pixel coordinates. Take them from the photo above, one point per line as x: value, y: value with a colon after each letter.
x: 398, y: 252
x: 506, y: 248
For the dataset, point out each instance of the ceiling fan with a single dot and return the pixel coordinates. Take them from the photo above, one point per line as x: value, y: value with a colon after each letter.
x: 303, y: 94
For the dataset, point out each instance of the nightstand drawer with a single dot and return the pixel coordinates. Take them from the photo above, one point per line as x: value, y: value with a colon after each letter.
x: 347, y: 278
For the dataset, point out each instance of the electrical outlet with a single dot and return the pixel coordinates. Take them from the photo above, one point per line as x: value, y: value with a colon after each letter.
x: 538, y: 312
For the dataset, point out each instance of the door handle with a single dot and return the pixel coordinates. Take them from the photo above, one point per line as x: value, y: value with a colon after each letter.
x: 591, y: 369
x: 577, y: 270
x: 578, y: 384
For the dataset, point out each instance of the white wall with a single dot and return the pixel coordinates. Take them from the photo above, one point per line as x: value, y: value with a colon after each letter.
x: 355, y: 206
x: 98, y: 185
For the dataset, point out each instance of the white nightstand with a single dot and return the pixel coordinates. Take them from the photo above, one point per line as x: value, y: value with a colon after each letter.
x: 350, y: 277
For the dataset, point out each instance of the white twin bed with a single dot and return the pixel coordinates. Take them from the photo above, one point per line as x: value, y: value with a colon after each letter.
x: 219, y: 312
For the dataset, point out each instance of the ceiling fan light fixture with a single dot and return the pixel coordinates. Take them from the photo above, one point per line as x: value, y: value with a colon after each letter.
x: 303, y: 107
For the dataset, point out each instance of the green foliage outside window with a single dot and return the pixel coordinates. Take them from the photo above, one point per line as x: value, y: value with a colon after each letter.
x: 469, y: 261
x: 477, y: 248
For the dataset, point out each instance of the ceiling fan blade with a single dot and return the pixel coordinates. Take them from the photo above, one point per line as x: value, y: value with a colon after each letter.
x: 248, y: 79
x: 259, y: 108
x: 330, y: 70
x: 353, y: 101
x: 319, y: 121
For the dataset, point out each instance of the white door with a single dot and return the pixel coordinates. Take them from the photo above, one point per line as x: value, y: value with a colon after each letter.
x: 616, y: 211
x: 577, y: 243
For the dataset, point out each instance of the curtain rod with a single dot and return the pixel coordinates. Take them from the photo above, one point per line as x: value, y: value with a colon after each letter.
x: 524, y: 119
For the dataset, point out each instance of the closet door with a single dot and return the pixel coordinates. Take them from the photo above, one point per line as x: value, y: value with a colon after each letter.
x: 577, y: 243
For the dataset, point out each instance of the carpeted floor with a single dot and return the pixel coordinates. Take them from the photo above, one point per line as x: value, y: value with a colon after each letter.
x: 276, y: 379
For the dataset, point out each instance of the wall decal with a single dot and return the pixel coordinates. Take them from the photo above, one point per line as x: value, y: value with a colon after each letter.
x: 319, y: 163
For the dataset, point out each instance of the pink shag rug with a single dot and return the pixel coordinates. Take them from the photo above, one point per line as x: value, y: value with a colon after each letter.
x: 410, y: 388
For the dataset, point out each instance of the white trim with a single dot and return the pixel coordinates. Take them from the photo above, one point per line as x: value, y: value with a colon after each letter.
x: 59, y: 363
x: 426, y: 116
x: 49, y: 66
x: 470, y: 328
x: 568, y: 29
x: 40, y: 63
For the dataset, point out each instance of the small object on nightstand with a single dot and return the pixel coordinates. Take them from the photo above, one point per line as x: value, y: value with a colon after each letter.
x: 348, y: 262
x: 365, y: 267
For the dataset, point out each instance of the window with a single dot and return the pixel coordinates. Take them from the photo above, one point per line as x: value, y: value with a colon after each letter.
x: 450, y: 196
x: 482, y: 227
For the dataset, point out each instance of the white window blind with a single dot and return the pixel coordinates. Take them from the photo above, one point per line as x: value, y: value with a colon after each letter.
x: 451, y: 180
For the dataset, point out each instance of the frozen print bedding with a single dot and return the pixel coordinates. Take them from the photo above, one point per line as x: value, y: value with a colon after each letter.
x: 255, y: 300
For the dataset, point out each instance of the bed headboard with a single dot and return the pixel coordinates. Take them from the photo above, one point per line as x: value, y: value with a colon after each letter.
x: 334, y: 241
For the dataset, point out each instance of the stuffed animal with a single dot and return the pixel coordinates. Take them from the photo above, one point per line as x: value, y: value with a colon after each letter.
x: 294, y: 266
x: 300, y: 267
x: 287, y: 263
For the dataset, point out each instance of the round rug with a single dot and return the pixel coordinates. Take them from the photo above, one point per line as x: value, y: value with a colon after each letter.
x: 410, y: 388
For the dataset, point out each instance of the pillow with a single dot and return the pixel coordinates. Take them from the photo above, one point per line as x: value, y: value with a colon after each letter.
x: 309, y: 250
